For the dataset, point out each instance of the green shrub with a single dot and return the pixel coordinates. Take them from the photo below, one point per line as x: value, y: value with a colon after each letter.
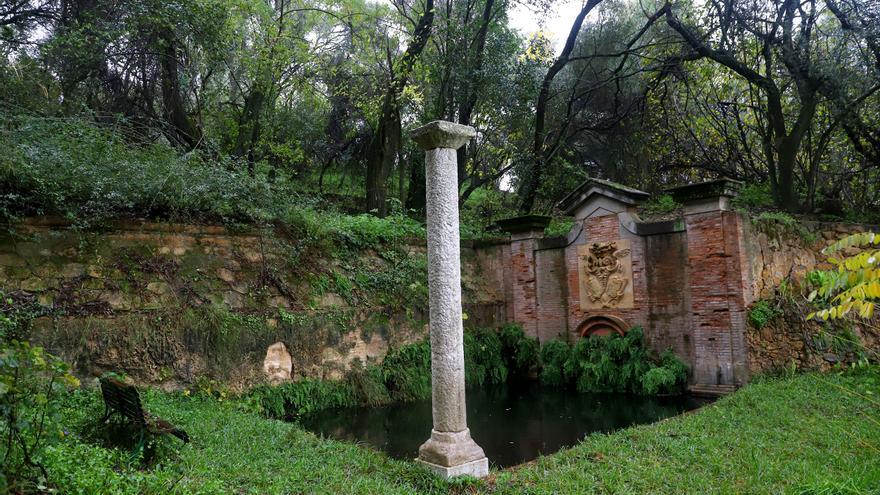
x: 661, y: 205
x: 367, y: 385
x: 31, y: 381
x: 754, y: 196
x: 609, y: 364
x: 404, y: 375
x: 483, y: 359
x: 559, y: 227
x: 407, y: 372
x: 554, y: 355
x: 668, y: 378
x: 306, y: 396
x: 612, y: 364
x: 87, y: 173
x: 762, y: 313
x: 521, y: 353
x: 777, y: 222
x: 483, y: 208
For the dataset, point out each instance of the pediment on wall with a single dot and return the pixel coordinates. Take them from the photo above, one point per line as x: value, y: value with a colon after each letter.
x: 597, y: 197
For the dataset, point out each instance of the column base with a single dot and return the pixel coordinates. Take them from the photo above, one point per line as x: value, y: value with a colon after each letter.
x: 451, y: 454
x: 477, y: 469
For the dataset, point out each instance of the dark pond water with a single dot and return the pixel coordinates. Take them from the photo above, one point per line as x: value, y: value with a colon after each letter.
x: 514, y: 423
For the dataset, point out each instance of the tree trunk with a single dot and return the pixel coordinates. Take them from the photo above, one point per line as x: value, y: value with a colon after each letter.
x: 415, y: 195
x: 385, y: 143
x: 469, y: 102
x: 183, y: 130
x: 529, y: 191
x: 381, y: 154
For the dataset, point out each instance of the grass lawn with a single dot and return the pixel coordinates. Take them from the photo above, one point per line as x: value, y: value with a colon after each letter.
x: 810, y: 434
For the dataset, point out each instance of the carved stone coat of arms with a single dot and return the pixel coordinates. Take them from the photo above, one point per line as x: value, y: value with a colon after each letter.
x: 605, y: 273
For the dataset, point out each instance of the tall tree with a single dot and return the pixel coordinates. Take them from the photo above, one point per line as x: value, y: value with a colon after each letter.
x: 776, y: 48
x: 541, y: 152
x: 384, y: 146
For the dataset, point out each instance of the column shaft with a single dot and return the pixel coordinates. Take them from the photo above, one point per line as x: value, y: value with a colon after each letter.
x: 444, y: 286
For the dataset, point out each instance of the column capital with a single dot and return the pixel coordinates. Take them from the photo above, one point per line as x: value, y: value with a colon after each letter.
x: 442, y: 134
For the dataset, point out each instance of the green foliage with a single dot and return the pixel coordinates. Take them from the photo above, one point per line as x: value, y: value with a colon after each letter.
x: 609, y: 364
x: 31, y: 381
x: 482, y: 209
x: 660, y: 205
x: 754, y: 196
x: 816, y: 279
x: 554, y: 355
x: 17, y: 311
x: 404, y: 375
x: 483, y: 358
x: 407, y: 372
x: 400, y: 283
x: 762, y: 313
x: 854, y: 285
x: 781, y: 223
x: 668, y: 378
x: 612, y: 364
x: 305, y: 396
x: 558, y: 227
x: 367, y: 231
x: 87, y: 174
x: 522, y: 353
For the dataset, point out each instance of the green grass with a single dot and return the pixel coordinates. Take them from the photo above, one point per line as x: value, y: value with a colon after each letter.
x: 797, y: 435
x: 805, y: 434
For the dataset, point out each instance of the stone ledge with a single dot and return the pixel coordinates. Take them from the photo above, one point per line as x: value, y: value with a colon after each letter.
x: 525, y: 223
x: 635, y: 225
x: 724, y: 187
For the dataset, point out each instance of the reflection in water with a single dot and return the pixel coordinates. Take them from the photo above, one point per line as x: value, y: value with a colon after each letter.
x: 513, y: 423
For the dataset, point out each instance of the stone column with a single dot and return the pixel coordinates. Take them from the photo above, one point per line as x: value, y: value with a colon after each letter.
x: 450, y: 451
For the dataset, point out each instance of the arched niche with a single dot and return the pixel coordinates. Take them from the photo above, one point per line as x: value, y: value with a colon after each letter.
x: 602, y: 325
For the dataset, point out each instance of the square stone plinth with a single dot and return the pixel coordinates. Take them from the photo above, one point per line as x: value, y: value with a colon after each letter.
x: 451, y: 454
x: 478, y: 469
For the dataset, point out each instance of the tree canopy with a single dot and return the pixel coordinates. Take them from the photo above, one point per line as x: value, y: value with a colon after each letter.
x: 317, y: 96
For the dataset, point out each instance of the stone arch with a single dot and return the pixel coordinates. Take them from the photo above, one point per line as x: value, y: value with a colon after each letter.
x: 602, y: 325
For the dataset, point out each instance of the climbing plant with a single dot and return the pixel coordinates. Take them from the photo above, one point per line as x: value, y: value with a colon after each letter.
x: 855, y: 283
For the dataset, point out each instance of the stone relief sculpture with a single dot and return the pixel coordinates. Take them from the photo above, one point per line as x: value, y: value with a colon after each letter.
x: 605, y: 270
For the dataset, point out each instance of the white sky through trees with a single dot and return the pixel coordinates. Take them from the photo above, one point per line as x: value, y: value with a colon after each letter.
x: 555, y: 24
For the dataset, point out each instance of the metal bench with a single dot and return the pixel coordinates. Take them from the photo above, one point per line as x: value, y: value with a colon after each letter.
x: 124, y: 399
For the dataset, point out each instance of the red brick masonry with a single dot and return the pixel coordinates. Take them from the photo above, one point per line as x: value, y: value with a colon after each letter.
x: 690, y: 282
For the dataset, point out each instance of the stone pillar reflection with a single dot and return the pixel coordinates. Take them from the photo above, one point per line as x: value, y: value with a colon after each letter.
x: 450, y: 451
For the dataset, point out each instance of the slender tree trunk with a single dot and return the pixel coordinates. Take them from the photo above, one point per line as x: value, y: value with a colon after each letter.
x: 183, y: 131
x: 415, y: 195
x: 472, y: 89
x: 532, y: 182
x: 385, y: 143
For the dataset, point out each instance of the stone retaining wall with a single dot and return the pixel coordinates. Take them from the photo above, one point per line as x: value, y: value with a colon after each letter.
x: 173, y: 303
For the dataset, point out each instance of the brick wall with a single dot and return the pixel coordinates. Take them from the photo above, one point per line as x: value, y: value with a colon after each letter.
x: 524, y: 292
x: 551, y: 289
x: 716, y: 298
x: 668, y: 324
x: 607, y: 228
x: 691, y: 282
